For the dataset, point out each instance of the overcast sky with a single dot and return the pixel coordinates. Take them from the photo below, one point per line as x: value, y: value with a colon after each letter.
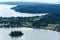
x: 45, y: 1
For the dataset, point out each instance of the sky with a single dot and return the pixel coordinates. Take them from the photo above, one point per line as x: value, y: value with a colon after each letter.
x: 43, y: 1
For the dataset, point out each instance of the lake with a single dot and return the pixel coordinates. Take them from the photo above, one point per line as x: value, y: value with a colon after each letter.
x: 29, y: 33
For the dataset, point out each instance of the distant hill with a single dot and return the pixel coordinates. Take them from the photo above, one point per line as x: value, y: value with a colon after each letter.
x: 32, y: 7
x: 37, y: 8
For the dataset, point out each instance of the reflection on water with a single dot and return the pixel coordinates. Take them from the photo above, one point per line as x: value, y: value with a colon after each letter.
x: 29, y: 34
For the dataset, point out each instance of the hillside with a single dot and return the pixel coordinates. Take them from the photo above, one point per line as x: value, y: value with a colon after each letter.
x: 32, y: 7
x: 37, y: 8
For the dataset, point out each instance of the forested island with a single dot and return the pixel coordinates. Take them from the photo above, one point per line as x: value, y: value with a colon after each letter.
x: 48, y: 22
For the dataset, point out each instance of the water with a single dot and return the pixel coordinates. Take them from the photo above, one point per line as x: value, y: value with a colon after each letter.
x: 29, y: 34
x: 5, y: 11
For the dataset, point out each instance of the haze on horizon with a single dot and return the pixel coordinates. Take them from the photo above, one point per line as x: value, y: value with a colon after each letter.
x: 42, y: 1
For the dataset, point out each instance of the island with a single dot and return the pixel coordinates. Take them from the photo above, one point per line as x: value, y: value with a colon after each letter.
x: 47, y: 22
x: 16, y: 34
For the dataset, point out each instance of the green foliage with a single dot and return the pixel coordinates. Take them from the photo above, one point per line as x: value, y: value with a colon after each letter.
x: 26, y: 24
x: 46, y: 22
